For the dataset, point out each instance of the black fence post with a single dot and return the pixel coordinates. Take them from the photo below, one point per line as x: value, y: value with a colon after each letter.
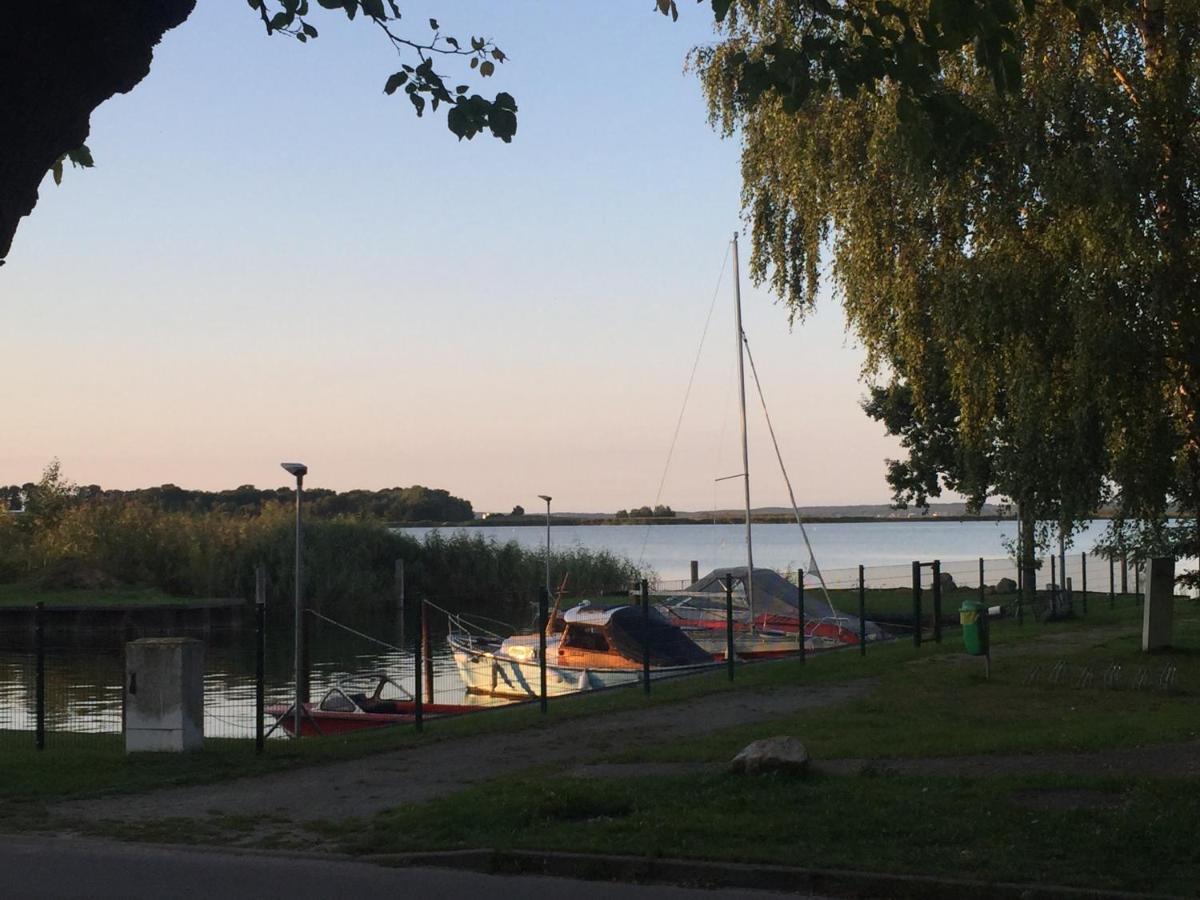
x: 1083, y: 574
x: 418, y: 701
x: 862, y: 612
x: 800, y: 614
x: 39, y: 638
x: 260, y: 654
x: 916, y: 616
x: 645, y: 636
x: 426, y: 653
x: 728, y: 624
x: 543, y: 617
x: 1112, y: 583
x: 1053, y: 586
x: 937, y: 601
x: 982, y: 588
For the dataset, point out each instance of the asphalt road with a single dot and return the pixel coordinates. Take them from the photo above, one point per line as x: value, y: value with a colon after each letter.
x: 68, y: 868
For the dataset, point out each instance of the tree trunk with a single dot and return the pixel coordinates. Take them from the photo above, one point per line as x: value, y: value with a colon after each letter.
x: 1028, y: 555
x: 59, y: 60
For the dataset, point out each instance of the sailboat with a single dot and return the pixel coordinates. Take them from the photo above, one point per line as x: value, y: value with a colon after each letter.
x: 769, y: 611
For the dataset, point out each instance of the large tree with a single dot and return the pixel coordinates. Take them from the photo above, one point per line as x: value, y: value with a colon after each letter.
x: 1005, y: 198
x: 60, y: 59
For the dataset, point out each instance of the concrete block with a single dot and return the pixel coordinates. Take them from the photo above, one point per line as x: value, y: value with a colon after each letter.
x: 164, y: 695
x: 1158, y: 612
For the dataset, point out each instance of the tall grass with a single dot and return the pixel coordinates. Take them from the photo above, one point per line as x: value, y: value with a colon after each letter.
x: 346, y: 561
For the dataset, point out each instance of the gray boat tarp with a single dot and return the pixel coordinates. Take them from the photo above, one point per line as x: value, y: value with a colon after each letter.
x: 774, y: 595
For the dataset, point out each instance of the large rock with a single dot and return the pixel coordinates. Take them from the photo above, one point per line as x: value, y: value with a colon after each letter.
x: 1006, y: 586
x: 773, y: 754
x: 947, y: 581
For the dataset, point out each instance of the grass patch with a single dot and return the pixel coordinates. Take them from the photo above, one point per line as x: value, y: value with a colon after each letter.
x: 25, y: 594
x: 951, y: 827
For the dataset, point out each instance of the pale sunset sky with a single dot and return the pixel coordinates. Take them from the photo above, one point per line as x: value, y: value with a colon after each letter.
x: 274, y: 260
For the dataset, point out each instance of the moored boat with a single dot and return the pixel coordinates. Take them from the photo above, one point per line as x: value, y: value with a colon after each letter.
x: 597, y: 647
x: 343, y: 709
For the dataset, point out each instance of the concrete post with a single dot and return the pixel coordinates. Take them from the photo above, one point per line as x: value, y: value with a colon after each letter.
x: 1158, y: 611
x: 164, y: 695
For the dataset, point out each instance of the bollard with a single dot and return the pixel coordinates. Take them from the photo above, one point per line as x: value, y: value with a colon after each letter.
x: 543, y: 619
x: 800, y: 614
x: 695, y: 570
x: 937, y: 601
x: 645, y: 636
x: 260, y: 653
x: 862, y: 613
x: 729, y: 624
x: 916, y: 616
x: 39, y: 637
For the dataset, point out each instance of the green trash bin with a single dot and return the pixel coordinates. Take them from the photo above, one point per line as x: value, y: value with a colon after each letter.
x: 973, y: 617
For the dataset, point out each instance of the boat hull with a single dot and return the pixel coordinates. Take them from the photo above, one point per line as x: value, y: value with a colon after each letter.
x: 318, y: 723
x: 486, y: 672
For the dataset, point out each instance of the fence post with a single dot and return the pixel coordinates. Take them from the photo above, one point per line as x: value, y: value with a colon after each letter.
x: 862, y: 612
x: 1053, y: 586
x: 39, y: 638
x: 800, y: 614
x: 982, y: 591
x: 260, y: 652
x: 1112, y: 584
x: 645, y: 636
x: 937, y: 601
x: 426, y: 652
x: 418, y: 703
x: 916, y: 616
x: 695, y: 570
x: 728, y: 624
x: 1124, y: 573
x: 1083, y: 563
x: 399, y: 583
x: 543, y: 617
x: 1137, y: 580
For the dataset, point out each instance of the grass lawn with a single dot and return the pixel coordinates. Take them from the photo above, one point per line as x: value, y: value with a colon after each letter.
x: 24, y: 594
x: 1133, y: 835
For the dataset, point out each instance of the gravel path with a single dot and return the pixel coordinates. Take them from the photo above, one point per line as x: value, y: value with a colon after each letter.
x: 370, y: 785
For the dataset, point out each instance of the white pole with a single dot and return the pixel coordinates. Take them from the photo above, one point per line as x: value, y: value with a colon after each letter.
x: 737, y: 306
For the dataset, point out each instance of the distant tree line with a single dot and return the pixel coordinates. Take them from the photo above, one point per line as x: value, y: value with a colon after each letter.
x: 646, y: 512
x: 398, y: 504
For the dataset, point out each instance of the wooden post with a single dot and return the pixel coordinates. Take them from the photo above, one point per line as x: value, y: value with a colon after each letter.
x: 1124, y: 574
x: 1083, y: 576
x: 1112, y: 584
x: 695, y: 567
x: 1053, y: 586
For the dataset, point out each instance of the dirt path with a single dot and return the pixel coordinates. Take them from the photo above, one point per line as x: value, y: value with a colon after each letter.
x: 373, y: 784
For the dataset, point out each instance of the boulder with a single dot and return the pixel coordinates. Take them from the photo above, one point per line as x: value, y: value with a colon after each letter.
x: 1006, y: 586
x: 773, y: 754
x: 947, y: 581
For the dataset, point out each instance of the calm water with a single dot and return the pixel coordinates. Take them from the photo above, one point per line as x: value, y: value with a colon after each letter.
x: 667, y: 549
x: 84, y: 676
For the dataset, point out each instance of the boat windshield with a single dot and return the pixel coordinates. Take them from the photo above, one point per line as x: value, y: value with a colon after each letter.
x: 583, y: 637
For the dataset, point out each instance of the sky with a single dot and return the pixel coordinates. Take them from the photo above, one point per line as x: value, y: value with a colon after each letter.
x: 273, y: 260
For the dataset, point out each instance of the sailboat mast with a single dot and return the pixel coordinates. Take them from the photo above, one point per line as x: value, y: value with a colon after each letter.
x: 737, y: 307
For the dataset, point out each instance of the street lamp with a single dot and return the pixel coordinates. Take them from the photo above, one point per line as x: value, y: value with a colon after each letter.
x: 299, y: 470
x: 547, y: 499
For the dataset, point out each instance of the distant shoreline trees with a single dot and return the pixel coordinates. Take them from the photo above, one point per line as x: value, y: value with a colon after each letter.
x: 646, y: 512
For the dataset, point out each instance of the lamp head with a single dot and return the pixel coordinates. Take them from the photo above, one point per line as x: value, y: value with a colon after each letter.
x: 297, y: 469
x: 544, y: 497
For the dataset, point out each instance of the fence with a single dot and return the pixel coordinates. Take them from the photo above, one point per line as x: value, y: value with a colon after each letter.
x: 413, y: 665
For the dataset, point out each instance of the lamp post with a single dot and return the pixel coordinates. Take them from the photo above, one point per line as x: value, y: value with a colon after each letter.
x: 299, y: 470
x: 547, y: 499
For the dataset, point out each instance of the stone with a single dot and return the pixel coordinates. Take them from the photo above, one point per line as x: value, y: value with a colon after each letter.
x: 947, y: 581
x: 1006, y: 586
x: 773, y: 754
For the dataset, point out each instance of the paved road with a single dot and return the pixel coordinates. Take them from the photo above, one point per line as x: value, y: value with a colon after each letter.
x: 70, y: 868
